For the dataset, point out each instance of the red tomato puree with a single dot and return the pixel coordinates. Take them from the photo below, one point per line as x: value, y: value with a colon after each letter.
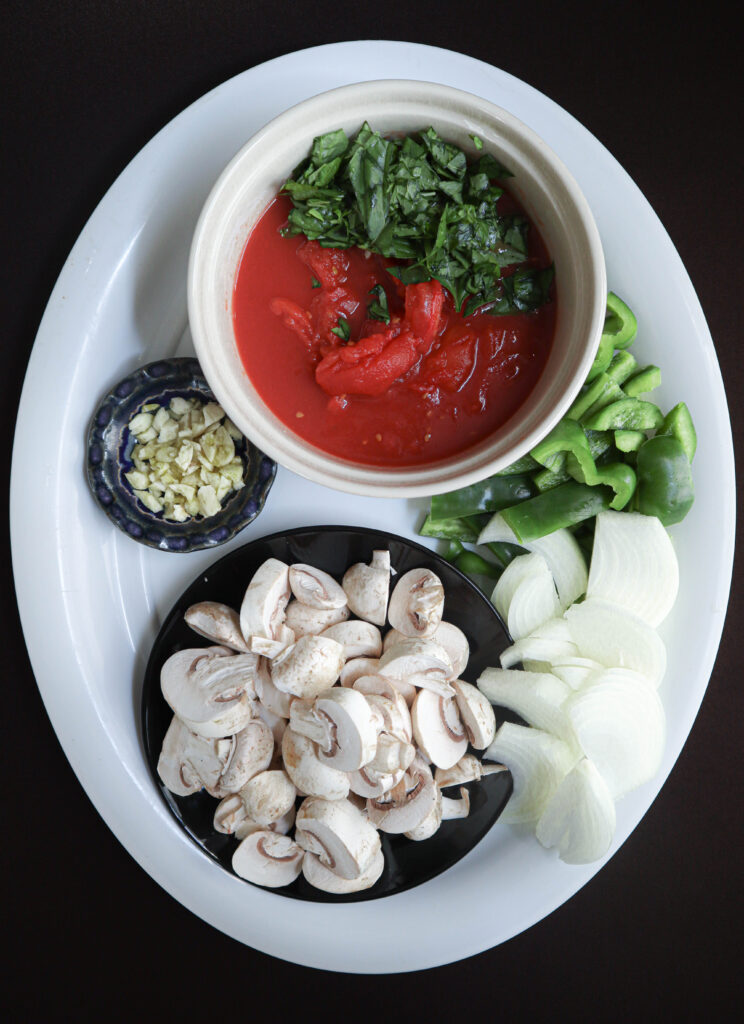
x: 426, y: 386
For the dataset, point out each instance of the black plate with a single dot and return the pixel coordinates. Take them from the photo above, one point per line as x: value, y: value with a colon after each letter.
x: 334, y: 549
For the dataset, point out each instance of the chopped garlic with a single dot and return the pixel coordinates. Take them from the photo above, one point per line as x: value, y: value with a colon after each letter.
x: 184, y: 458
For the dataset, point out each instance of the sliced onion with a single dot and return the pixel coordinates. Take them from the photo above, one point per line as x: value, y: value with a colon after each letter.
x: 525, y: 595
x: 620, y: 725
x: 634, y: 565
x: 575, y: 672
x: 537, y: 761
x: 559, y: 549
x: 616, y: 638
x: 535, y: 648
x: 553, y: 629
x: 536, y: 696
x: 579, y: 818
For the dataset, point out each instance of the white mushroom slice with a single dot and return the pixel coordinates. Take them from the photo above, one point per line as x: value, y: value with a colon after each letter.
x: 405, y: 806
x: 386, y: 686
x: 188, y: 762
x: 392, y: 754
x: 420, y: 663
x: 204, y: 683
x: 369, y: 783
x: 315, y: 588
x: 438, y: 729
x: 226, y: 724
x: 231, y: 814
x: 367, y: 588
x: 417, y: 603
x: 309, y: 666
x: 452, y: 808
x: 216, y: 622
x: 321, y: 877
x: 263, y: 608
x: 275, y: 701
x: 267, y: 858
x: 338, y: 834
x: 455, y: 643
x: 476, y: 714
x: 276, y: 723
x: 267, y: 648
x: 249, y: 753
x: 357, y: 667
x: 302, y: 619
x: 342, y: 723
x: 359, y: 639
x: 307, y: 772
x: 396, y: 718
x: 430, y: 824
x: 467, y: 769
x: 268, y: 796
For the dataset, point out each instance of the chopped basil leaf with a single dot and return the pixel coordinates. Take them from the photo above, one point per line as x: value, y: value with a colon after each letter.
x: 478, y: 143
x: 378, y: 308
x: 342, y: 330
x: 314, y: 282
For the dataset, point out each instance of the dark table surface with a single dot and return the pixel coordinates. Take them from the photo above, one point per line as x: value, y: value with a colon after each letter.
x: 85, y: 85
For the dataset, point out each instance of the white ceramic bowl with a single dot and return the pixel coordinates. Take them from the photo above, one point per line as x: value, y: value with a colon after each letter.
x: 542, y: 184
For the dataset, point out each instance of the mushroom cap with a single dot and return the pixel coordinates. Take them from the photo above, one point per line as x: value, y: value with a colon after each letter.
x: 265, y: 599
x: 188, y: 762
x: 405, y: 806
x: 268, y: 796
x: 421, y: 663
x: 268, y: 858
x: 417, y: 603
x: 359, y: 639
x: 455, y: 643
x: 309, y: 666
x: 476, y: 713
x: 230, y: 814
x: 430, y: 824
x: 203, y: 683
x: 396, y: 718
x: 367, y: 782
x: 251, y: 753
x: 437, y: 728
x: 342, y: 723
x: 321, y: 877
x: 357, y: 667
x: 367, y: 588
x: 274, y: 700
x: 217, y: 622
x: 307, y: 772
x: 227, y: 724
x: 302, y: 619
x: 315, y: 588
x: 338, y: 833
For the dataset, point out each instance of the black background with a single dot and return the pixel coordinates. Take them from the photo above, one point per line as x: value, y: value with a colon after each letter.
x: 84, y: 86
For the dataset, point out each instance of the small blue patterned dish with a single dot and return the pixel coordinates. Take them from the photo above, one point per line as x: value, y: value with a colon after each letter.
x: 108, y: 458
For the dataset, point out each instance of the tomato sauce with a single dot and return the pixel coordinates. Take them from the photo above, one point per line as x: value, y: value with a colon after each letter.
x: 429, y: 385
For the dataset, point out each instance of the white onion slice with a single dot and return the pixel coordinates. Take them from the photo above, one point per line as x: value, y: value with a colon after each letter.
x: 553, y: 629
x: 559, y: 549
x: 575, y: 672
x: 537, y: 761
x: 525, y: 595
x: 619, y: 723
x: 634, y: 565
x: 532, y: 648
x: 579, y: 818
x: 616, y: 638
x: 535, y: 696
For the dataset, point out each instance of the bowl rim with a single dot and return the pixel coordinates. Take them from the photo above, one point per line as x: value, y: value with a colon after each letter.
x: 472, y: 465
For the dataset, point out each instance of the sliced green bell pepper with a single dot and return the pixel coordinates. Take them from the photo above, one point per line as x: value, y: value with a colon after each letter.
x: 642, y: 382
x: 622, y: 365
x: 665, y: 488
x: 629, y: 440
x: 489, y: 495
x: 563, y: 506
x: 620, y: 322
x: 678, y: 423
x: 465, y: 530
x: 473, y: 565
x: 626, y: 414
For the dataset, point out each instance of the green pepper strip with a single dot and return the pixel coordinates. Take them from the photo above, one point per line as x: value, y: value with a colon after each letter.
x: 524, y: 465
x: 505, y: 552
x: 602, y: 358
x: 626, y: 414
x: 473, y: 565
x: 665, y: 487
x: 642, y: 382
x: 568, y: 437
x: 463, y: 530
x: 629, y: 440
x: 622, y: 366
x: 564, y: 506
x: 620, y: 322
x: 678, y: 423
x: 490, y: 495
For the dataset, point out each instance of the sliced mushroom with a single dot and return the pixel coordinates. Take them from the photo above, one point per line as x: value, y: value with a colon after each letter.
x: 396, y: 718
x: 338, y: 834
x: 230, y: 814
x: 250, y: 752
x: 302, y: 619
x: 420, y: 663
x: 392, y: 754
x: 452, y: 808
x: 188, y: 762
x: 204, y: 683
x: 367, y: 588
x: 356, y: 667
x: 359, y: 639
x: 308, y: 666
x: 437, y: 728
x: 342, y: 723
x: 315, y: 588
x: 321, y: 877
x: 430, y: 824
x: 386, y: 686
x: 263, y: 608
x: 271, y: 648
x: 467, y: 769
x: 275, y: 701
x: 476, y: 713
x: 226, y: 724
x: 307, y: 772
x: 268, y: 796
x: 405, y: 806
x: 268, y: 858
x: 417, y: 603
x: 369, y: 783
x: 217, y: 622
x: 455, y: 643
